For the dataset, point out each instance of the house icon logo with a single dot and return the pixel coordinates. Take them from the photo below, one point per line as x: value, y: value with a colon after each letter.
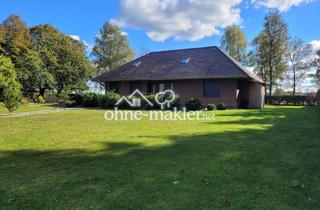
x: 134, y: 100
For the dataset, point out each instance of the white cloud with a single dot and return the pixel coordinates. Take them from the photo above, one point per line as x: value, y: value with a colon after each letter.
x: 315, y: 44
x: 281, y: 5
x: 181, y: 19
x: 123, y: 33
x: 251, y: 69
x: 75, y: 37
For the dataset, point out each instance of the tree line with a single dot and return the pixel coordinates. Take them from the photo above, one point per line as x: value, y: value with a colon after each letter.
x: 34, y: 60
x: 274, y: 55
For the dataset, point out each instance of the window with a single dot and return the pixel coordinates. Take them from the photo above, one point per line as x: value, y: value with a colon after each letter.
x: 135, y: 85
x: 211, y: 88
x: 137, y: 64
x: 185, y: 60
x: 114, y: 86
x: 155, y: 87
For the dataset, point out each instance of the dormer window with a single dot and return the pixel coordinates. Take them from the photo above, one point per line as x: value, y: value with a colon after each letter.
x: 136, y: 64
x: 185, y: 60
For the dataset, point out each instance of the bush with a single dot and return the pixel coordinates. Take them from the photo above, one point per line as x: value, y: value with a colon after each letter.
x: 70, y: 104
x: 221, y: 106
x: 311, y: 98
x: 90, y: 100
x: 318, y: 98
x: 12, y: 97
x: 24, y: 100
x: 77, y: 98
x: 176, y: 102
x: 108, y: 100
x: 9, y: 87
x: 193, y: 104
x: 64, y: 98
x: 41, y: 100
x: 151, y: 98
x: 211, y: 107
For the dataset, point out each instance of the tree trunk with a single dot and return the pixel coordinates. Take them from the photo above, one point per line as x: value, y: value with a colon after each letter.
x: 294, y: 82
x: 42, y: 92
x: 270, y: 69
x: 271, y: 80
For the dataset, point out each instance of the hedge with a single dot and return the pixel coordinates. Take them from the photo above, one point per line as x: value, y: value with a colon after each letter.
x: 309, y: 99
x: 318, y: 98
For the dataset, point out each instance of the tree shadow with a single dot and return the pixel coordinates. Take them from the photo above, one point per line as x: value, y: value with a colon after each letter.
x: 245, y: 169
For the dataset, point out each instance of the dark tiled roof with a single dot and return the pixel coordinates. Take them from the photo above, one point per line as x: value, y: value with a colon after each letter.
x: 206, y: 62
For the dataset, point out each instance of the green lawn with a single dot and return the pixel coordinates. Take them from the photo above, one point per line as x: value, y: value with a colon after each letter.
x: 28, y: 108
x: 245, y: 159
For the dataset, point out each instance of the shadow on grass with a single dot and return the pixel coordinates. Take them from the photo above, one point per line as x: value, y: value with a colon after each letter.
x: 272, y: 168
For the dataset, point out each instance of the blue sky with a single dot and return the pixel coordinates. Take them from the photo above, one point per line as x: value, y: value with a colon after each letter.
x: 148, y: 22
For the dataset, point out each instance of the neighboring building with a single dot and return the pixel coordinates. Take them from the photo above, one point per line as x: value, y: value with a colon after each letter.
x: 206, y: 73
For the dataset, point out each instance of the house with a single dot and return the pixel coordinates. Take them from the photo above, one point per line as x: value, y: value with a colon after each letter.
x: 206, y: 73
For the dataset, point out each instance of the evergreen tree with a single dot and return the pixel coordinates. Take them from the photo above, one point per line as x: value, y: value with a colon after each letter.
x: 9, y: 87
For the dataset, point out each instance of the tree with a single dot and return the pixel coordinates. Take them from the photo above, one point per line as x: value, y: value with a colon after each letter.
x: 234, y: 43
x: 111, y: 49
x: 299, y: 62
x: 2, y: 39
x: 317, y: 65
x: 64, y: 58
x: 16, y: 37
x: 32, y: 75
x: 17, y: 44
x: 9, y: 86
x: 270, y: 48
x: 279, y: 92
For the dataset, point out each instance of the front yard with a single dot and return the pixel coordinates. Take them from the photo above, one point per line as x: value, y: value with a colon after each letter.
x: 245, y: 159
x: 28, y: 108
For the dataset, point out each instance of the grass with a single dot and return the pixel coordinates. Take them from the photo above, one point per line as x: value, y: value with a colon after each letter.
x: 27, y: 108
x: 245, y: 159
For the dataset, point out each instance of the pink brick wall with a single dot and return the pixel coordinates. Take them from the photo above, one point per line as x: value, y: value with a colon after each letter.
x: 194, y: 88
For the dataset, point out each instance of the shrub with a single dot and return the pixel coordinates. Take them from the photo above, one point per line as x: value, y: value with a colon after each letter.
x: 12, y: 97
x: 41, y: 100
x: 221, y: 106
x: 70, y: 104
x: 77, y: 98
x: 311, y: 98
x: 64, y: 98
x: 193, y: 104
x: 9, y: 87
x: 318, y: 98
x: 24, y: 100
x: 90, y: 100
x: 211, y: 107
x: 108, y: 100
x: 151, y: 98
x: 177, y: 102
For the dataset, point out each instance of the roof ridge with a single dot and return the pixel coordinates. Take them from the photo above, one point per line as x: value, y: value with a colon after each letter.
x: 193, y: 48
